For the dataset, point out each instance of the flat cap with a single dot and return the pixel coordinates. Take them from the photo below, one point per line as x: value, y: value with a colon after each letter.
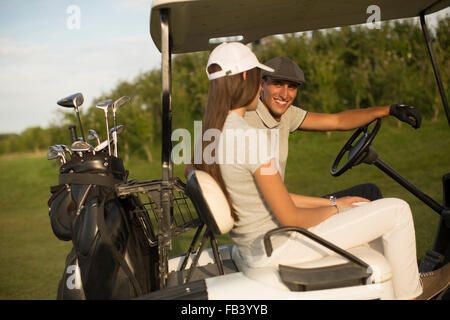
x: 285, y: 69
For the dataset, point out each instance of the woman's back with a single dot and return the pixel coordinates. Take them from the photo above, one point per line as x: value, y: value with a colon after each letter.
x: 237, y: 168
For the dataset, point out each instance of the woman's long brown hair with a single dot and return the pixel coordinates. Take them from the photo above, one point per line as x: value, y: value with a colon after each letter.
x: 225, y: 94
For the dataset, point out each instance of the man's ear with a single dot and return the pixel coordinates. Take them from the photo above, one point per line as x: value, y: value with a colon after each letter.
x: 244, y: 75
x: 261, y: 90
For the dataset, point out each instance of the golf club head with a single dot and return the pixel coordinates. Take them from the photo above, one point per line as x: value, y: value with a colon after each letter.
x: 93, y: 135
x: 120, y: 102
x: 56, y: 151
x: 81, y: 146
x: 65, y: 148
x: 72, y: 101
x: 52, y: 153
x: 105, y: 104
x: 117, y: 129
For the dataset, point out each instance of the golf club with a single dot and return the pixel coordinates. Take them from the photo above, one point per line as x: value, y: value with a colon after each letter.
x: 55, y: 152
x: 74, y: 101
x: 105, y: 105
x: 81, y: 146
x: 116, y: 105
x: 65, y: 148
x: 102, y: 145
x: 118, y: 130
x: 52, y: 153
x: 94, y: 135
x: 61, y: 152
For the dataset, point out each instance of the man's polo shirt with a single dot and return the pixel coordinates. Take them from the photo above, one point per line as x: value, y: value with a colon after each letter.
x: 289, y: 122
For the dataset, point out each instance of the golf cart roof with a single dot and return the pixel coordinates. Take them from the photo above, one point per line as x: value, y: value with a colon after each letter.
x: 194, y: 22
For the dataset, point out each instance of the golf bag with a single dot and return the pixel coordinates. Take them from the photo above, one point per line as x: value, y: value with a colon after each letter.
x: 111, y: 257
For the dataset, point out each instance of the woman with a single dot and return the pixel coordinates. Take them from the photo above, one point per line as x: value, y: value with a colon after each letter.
x: 261, y: 202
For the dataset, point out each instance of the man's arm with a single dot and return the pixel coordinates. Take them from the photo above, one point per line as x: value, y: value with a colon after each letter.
x: 355, y: 118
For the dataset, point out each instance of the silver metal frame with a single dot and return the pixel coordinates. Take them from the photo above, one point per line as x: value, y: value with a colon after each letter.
x: 164, y: 234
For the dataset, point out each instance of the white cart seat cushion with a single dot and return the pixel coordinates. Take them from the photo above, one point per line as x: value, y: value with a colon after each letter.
x: 379, y: 267
x: 210, y: 201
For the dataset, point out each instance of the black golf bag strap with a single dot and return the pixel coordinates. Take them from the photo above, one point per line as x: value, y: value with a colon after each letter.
x: 55, y: 191
x: 102, y: 228
x: 87, y: 178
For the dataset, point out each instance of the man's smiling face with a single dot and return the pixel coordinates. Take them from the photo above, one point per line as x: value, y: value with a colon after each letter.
x: 278, y: 95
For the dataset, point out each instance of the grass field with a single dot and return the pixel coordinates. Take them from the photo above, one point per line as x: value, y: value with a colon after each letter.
x: 32, y: 258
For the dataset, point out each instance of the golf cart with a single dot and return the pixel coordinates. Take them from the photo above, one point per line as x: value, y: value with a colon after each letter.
x: 220, y: 272
x: 169, y: 208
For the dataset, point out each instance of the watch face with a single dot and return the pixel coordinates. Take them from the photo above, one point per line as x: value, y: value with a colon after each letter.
x: 333, y: 200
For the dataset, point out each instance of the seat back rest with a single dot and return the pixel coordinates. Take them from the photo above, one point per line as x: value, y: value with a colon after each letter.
x: 210, y: 201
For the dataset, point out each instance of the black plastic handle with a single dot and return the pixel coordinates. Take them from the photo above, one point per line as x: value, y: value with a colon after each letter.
x: 73, y: 133
x: 323, y: 242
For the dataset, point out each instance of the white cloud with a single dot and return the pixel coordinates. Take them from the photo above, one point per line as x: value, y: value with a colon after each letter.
x: 35, y: 76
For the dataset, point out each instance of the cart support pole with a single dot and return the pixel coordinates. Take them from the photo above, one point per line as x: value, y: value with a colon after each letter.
x: 435, y: 67
x: 164, y: 233
x: 380, y: 164
x: 166, y: 95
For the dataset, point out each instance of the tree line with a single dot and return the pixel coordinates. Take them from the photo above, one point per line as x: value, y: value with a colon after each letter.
x: 345, y: 68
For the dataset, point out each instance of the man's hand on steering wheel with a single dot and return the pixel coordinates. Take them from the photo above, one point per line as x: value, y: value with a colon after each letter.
x: 406, y: 113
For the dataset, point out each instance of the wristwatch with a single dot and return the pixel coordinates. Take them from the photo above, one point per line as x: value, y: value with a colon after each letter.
x: 333, y: 200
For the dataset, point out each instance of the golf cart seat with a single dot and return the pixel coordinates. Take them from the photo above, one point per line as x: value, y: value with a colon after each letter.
x: 325, y: 273
x: 357, y: 266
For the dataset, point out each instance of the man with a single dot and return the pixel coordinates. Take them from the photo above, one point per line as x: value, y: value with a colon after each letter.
x: 275, y: 111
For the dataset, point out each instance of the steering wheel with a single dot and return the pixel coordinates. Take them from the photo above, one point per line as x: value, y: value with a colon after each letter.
x: 357, y: 151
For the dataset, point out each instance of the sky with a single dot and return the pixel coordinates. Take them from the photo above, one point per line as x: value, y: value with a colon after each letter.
x: 50, y: 49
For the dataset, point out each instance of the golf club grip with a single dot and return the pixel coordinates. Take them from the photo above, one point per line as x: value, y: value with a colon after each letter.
x: 73, y: 133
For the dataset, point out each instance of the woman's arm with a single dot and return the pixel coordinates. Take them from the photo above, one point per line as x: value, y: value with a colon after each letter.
x: 282, y: 205
x: 293, y: 209
x: 302, y: 201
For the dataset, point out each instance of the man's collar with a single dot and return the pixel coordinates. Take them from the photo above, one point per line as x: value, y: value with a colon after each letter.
x: 266, y: 117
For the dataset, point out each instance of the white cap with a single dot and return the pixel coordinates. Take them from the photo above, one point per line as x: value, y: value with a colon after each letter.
x: 233, y: 58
